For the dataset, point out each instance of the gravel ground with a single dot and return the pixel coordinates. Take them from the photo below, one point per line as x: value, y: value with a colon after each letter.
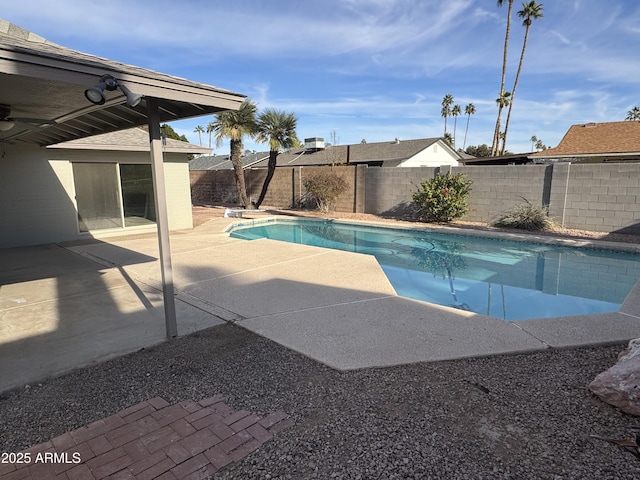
x: 524, y: 416
x: 518, y: 417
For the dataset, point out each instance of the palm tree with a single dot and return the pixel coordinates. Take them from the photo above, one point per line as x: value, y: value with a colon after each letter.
x: 468, y: 111
x: 210, y: 129
x: 455, y: 112
x: 449, y: 139
x: 278, y: 128
x: 633, y: 114
x: 235, y: 124
x: 533, y: 139
x: 530, y: 11
x: 496, y: 133
x: 502, y: 102
x: 199, y: 130
x: 447, y: 101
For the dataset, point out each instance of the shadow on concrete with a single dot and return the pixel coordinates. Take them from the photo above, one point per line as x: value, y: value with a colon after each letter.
x: 59, y: 311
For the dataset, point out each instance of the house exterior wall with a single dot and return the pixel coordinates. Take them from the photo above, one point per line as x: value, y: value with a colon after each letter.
x: 37, y: 193
x: 34, y: 203
x: 432, y: 156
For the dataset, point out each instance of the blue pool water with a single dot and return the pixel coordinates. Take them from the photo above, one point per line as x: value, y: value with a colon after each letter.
x: 503, y: 279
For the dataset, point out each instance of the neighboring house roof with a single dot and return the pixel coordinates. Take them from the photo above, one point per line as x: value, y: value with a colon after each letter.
x: 42, y: 80
x: 512, y: 159
x: 380, y: 153
x: 465, y: 156
x: 222, y: 162
x: 131, y: 140
x: 606, y: 140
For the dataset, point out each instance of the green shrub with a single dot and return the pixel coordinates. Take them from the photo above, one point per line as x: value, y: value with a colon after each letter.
x: 443, y: 198
x: 324, y: 188
x: 527, y: 217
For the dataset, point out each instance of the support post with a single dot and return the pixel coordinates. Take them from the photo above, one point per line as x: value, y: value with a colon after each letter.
x: 162, y: 219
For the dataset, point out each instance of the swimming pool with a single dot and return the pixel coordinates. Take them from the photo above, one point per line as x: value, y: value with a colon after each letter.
x: 506, y: 279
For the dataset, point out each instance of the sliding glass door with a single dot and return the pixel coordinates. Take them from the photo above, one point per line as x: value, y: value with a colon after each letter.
x: 111, y: 195
x: 97, y: 196
x: 137, y: 195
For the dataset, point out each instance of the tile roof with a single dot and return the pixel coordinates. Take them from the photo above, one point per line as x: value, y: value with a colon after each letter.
x: 14, y: 37
x: 597, y: 139
x: 388, y: 152
x: 222, y: 162
x: 131, y: 140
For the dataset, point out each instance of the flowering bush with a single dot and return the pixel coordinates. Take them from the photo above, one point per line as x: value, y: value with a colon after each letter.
x: 443, y: 198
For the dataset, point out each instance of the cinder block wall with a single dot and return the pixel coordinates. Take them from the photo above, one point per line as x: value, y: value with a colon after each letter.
x: 279, y: 193
x: 603, y: 197
x: 496, y: 189
x: 598, y: 197
x: 212, y: 186
x: 285, y: 189
x: 389, y: 191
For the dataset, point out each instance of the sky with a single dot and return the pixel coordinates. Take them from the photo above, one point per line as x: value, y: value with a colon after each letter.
x: 373, y: 70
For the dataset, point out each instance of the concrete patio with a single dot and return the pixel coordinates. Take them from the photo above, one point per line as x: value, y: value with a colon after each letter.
x: 66, y: 306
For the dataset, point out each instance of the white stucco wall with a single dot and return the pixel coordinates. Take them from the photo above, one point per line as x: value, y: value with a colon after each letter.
x: 432, y: 156
x: 37, y: 199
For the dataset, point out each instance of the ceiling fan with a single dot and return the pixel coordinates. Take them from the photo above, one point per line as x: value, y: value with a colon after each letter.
x: 7, y: 122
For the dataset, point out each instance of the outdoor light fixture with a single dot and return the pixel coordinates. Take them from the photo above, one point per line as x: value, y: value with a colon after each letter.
x: 96, y: 94
x: 6, y: 125
x: 133, y: 99
x: 107, y: 82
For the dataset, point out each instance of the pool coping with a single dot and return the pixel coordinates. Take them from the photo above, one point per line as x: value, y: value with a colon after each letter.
x: 458, y: 231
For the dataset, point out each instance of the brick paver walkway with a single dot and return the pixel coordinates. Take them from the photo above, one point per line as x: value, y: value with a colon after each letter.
x: 153, y: 439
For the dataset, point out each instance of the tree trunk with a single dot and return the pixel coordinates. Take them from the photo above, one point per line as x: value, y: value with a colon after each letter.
x: 455, y: 125
x: 496, y: 133
x: 465, y: 132
x: 236, y: 160
x: 513, y: 92
x: 273, y: 155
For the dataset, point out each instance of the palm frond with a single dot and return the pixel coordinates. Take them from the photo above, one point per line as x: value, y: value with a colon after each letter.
x: 235, y: 124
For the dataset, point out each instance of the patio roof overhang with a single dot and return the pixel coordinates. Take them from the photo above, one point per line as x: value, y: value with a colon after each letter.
x: 45, y: 84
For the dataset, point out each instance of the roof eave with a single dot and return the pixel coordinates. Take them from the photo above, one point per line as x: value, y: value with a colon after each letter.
x: 127, y: 148
x: 581, y: 155
x: 178, y: 98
